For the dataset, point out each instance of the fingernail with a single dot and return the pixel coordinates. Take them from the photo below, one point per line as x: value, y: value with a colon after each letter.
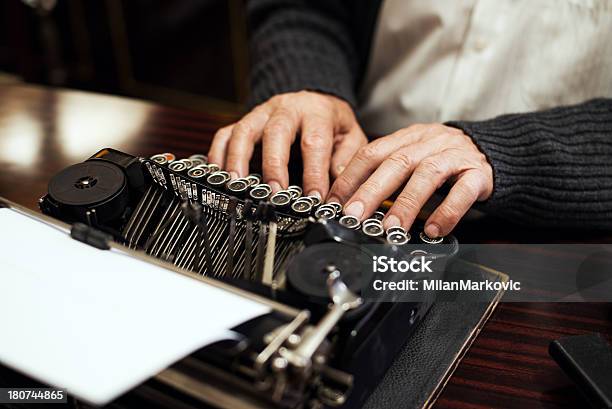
x: 391, y: 221
x: 333, y: 199
x: 233, y: 175
x: 340, y: 168
x: 354, y: 209
x: 315, y: 193
x: 432, y: 230
x: 275, y: 186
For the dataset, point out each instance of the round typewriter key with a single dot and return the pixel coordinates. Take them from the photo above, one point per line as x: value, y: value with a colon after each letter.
x: 199, y: 157
x: 397, y: 238
x: 187, y: 163
x: 372, y: 229
x: 350, y: 221
x: 296, y: 189
x: 280, y: 199
x: 370, y: 221
x: 324, y: 212
x: 393, y: 229
x: 260, y: 192
x: 197, y: 162
x: 160, y: 158
x: 378, y: 215
x: 217, y: 179
x: 336, y: 206
x: 254, y: 179
x: 313, y: 199
x: 238, y: 186
x: 214, y: 167
x: 426, y: 239
x: 170, y: 157
x: 180, y: 165
x: 302, y: 206
x: 198, y: 171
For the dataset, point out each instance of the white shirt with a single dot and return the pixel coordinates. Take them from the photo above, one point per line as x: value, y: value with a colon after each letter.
x: 440, y: 60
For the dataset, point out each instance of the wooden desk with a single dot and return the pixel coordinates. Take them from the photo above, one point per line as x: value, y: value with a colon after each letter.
x: 43, y: 130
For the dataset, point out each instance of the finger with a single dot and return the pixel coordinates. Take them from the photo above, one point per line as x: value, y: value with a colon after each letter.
x: 278, y: 136
x: 390, y: 176
x: 428, y: 176
x: 367, y: 159
x: 316, y: 143
x: 461, y: 197
x: 245, y: 134
x: 216, y: 153
x: 345, y: 147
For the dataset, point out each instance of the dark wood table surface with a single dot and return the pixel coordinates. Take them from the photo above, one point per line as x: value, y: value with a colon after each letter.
x: 43, y: 130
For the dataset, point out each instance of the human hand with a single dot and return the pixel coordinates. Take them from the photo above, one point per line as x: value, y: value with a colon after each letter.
x: 422, y: 157
x: 330, y: 136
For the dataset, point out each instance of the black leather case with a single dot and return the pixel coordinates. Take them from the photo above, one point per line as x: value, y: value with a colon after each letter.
x: 427, y: 361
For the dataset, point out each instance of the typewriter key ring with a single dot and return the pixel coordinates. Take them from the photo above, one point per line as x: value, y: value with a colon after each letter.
x: 325, y: 212
x: 429, y: 240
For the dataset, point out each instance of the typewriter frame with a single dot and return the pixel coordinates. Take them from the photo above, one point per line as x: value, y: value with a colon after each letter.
x: 204, y: 382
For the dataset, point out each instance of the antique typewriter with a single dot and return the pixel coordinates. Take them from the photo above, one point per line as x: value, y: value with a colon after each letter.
x: 323, y: 344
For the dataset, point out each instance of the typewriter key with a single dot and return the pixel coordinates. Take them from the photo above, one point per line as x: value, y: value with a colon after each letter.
x: 370, y: 221
x: 313, y: 199
x: 261, y: 191
x: 302, y: 206
x: 337, y: 206
x: 296, y: 191
x: 160, y: 158
x: 378, y: 215
x: 350, y: 221
x: 397, y: 238
x: 254, y: 179
x: 281, y: 199
x: 170, y: 157
x: 325, y: 212
x: 426, y: 239
x: 214, y: 167
x: 372, y: 229
x: 180, y: 165
x: 198, y: 171
x: 197, y: 162
x: 199, y: 157
x: 238, y: 186
x: 393, y: 229
x: 218, y: 178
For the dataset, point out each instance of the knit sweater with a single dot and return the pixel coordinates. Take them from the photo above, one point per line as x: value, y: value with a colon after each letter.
x: 551, y: 168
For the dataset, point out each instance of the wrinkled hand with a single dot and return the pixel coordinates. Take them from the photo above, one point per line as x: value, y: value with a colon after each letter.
x: 422, y: 157
x: 330, y: 136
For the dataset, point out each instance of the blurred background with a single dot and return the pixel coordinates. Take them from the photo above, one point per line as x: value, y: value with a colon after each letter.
x: 188, y: 54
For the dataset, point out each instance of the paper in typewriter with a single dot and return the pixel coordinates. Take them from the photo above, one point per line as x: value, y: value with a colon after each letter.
x: 99, y: 322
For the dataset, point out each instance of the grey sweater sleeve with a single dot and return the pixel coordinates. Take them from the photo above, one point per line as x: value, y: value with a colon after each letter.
x: 551, y: 168
x: 301, y: 45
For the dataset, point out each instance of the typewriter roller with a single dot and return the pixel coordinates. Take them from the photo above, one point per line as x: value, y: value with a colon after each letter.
x: 287, y: 247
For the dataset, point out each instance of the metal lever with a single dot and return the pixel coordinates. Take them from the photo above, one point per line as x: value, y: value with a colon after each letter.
x: 343, y: 300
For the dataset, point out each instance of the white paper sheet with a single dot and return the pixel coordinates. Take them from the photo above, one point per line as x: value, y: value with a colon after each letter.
x: 99, y: 322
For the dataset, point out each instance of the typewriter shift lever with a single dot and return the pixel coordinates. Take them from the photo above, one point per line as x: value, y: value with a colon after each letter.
x: 343, y: 300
